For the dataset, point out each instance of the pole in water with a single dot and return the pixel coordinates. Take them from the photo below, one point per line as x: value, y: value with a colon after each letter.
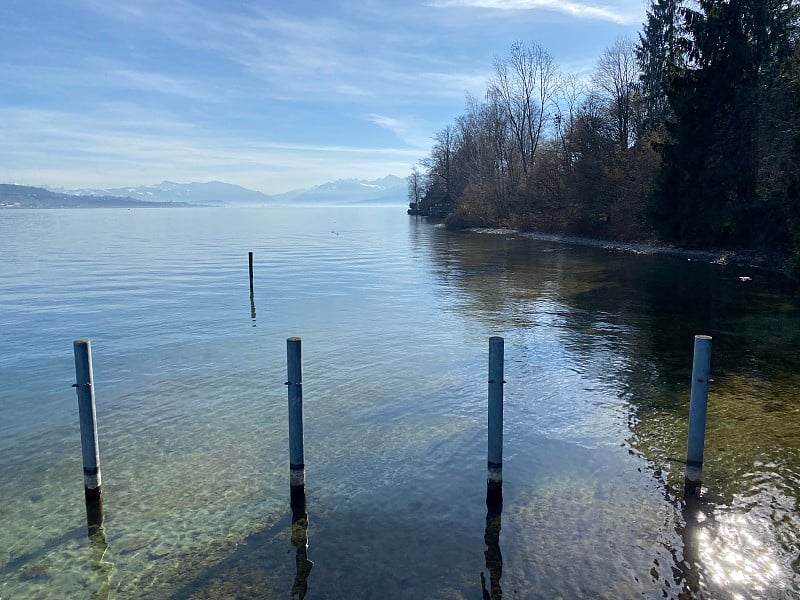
x: 294, y: 369
x: 252, y: 294
x: 698, y: 403
x: 495, y: 446
x: 90, y: 449
x: 250, y: 260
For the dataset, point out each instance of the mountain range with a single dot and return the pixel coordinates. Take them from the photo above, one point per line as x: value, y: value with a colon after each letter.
x: 211, y: 193
x: 22, y: 196
x: 387, y: 190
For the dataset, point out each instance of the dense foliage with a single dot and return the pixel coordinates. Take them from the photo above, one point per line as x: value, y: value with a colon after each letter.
x: 690, y: 135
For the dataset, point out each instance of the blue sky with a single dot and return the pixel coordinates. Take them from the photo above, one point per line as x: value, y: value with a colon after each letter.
x: 268, y: 95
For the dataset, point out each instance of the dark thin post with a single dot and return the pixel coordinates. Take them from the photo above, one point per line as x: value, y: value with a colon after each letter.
x: 90, y: 449
x: 698, y: 404
x: 294, y: 368
x: 250, y: 260
x: 495, y: 446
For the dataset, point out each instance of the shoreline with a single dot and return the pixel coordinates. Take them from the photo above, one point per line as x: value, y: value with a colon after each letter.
x: 743, y: 258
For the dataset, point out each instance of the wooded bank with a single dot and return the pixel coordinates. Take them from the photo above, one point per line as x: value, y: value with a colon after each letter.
x: 689, y: 135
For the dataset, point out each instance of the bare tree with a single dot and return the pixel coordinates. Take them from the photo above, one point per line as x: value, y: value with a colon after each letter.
x: 484, y: 150
x: 570, y: 91
x: 442, y: 157
x: 524, y: 84
x: 415, y: 186
x: 616, y: 78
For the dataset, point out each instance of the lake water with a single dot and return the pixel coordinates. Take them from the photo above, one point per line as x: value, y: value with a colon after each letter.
x: 395, y: 316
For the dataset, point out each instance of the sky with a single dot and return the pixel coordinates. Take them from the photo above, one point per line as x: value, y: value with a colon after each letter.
x: 265, y: 94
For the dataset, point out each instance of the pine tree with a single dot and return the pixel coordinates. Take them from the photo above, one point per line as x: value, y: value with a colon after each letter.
x: 708, y: 189
x: 657, y: 53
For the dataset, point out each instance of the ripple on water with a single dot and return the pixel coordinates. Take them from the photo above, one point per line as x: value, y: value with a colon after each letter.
x: 395, y: 317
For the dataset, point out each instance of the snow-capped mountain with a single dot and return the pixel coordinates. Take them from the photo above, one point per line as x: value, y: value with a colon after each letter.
x: 388, y: 190
x: 21, y: 196
x: 213, y: 192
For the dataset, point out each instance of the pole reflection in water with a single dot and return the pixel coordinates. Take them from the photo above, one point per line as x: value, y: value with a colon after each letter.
x: 94, y: 510
x: 300, y: 541
x: 494, y: 559
x: 98, y: 545
x: 728, y: 553
x: 696, y: 514
x: 253, y: 308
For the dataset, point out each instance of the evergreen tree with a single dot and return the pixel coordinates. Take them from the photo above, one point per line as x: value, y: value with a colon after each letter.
x: 791, y: 165
x: 657, y: 52
x: 708, y: 187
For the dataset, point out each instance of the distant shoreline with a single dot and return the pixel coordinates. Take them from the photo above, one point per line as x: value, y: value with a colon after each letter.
x: 142, y: 204
x: 21, y: 197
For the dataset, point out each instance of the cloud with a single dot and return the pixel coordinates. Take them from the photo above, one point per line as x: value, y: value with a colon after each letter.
x: 81, y: 150
x: 453, y: 83
x: 300, y: 55
x: 389, y: 123
x: 151, y: 81
x: 407, y: 129
x: 194, y: 89
x: 620, y: 15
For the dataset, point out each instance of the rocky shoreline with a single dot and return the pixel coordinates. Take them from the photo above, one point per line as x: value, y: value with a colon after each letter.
x: 744, y: 258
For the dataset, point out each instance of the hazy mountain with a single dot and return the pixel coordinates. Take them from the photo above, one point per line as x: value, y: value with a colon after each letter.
x: 23, y: 196
x: 388, y: 190
x: 211, y: 193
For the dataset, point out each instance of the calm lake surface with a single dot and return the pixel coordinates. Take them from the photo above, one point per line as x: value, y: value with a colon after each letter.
x: 395, y: 316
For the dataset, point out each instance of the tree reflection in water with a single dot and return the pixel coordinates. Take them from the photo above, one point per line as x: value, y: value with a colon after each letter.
x: 614, y: 330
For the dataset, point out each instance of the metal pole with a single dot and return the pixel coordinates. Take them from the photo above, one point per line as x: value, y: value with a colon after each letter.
x: 250, y: 260
x: 698, y: 403
x: 495, y: 446
x: 88, y: 418
x: 294, y: 368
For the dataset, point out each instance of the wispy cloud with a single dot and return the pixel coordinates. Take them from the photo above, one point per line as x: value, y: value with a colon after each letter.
x: 120, y: 152
x: 273, y: 95
x: 453, y: 84
x: 151, y: 81
x: 301, y: 56
x: 623, y: 15
x: 407, y: 129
